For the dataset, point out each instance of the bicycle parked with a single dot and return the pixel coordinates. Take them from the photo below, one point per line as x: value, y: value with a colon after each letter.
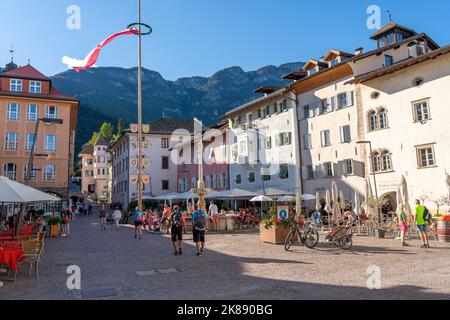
x: 305, y: 235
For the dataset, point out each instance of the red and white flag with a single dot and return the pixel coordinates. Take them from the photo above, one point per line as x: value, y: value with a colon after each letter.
x: 92, y: 57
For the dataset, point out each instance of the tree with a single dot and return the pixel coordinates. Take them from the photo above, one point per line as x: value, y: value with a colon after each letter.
x: 120, y: 127
x: 93, y: 139
x: 107, y: 130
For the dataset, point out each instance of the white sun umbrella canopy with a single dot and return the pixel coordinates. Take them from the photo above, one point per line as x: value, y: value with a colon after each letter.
x: 399, y: 200
x: 308, y: 197
x: 328, y: 207
x: 334, y: 196
x: 357, y: 204
x: 286, y: 199
x: 405, y: 196
x: 261, y: 199
x: 368, y: 195
x: 14, y: 192
x: 318, y: 206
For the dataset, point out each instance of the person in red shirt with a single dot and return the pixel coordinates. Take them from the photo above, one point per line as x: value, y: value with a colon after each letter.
x: 166, y: 215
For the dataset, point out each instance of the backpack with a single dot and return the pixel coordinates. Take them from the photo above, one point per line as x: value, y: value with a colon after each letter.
x: 427, y: 215
x: 200, y: 222
x: 176, y: 219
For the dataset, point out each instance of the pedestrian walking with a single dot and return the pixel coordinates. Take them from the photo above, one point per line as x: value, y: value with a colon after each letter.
x: 102, y: 216
x: 85, y: 209
x: 90, y: 209
x: 214, y: 214
x: 166, y: 215
x: 68, y: 218
x: 176, y: 219
x: 199, y: 228
x: 403, y: 224
x: 138, y: 222
x: 117, y: 215
x: 63, y: 222
x: 421, y: 217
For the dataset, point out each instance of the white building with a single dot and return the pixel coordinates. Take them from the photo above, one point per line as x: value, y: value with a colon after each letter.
x: 264, y: 145
x: 159, y: 172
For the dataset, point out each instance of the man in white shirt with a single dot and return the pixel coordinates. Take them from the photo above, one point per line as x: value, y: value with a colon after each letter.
x: 214, y: 215
x: 117, y: 215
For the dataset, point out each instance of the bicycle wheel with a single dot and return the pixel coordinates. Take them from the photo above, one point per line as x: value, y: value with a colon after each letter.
x: 311, y: 238
x: 346, y: 243
x: 289, y: 240
x: 337, y: 243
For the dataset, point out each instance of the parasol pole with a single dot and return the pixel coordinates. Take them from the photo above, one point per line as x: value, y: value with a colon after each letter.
x: 139, y: 182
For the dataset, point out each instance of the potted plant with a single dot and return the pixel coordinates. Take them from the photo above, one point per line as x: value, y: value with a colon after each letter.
x: 274, y: 230
x: 54, y: 223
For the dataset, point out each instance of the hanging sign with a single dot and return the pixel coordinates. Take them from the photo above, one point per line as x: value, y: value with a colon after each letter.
x: 146, y: 179
x: 146, y: 128
x: 134, y: 128
x: 134, y: 162
x: 133, y: 179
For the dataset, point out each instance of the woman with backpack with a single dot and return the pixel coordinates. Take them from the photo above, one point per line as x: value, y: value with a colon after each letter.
x: 199, y: 228
x: 138, y: 222
x: 176, y: 220
x: 422, y: 218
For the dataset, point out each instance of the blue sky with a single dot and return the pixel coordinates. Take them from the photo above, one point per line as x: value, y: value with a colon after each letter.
x: 200, y: 37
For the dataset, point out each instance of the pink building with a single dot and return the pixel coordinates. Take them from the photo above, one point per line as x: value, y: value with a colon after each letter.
x: 215, y: 168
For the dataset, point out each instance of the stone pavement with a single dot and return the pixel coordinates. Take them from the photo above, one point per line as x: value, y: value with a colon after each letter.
x: 114, y: 265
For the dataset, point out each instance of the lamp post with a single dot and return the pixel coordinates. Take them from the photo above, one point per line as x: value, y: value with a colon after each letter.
x: 373, y: 173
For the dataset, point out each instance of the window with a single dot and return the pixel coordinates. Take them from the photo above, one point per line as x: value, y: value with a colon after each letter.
x: 309, y: 171
x: 325, y: 138
x: 265, y: 177
x: 50, y: 142
x: 312, y: 71
x: 373, y: 121
x: 16, y: 85
x: 29, y: 142
x: 307, y: 142
x: 399, y: 36
x: 275, y: 108
x: 165, y: 184
x: 12, y: 141
x: 287, y: 137
x: 388, y: 60
x: 35, y: 87
x: 250, y: 118
x: 13, y: 111
x: 267, y: 111
x: 251, y: 177
x: 421, y: 111
x: 345, y: 99
x: 32, y: 173
x: 165, y: 143
x: 334, y: 62
x: 51, y: 112
x: 284, y: 105
x: 32, y: 112
x: 325, y: 106
x: 348, y: 167
x: 328, y: 169
x: 238, y: 178
x: 390, y: 38
x: 382, y: 161
x: 194, y: 182
x: 425, y: 156
x: 49, y: 172
x: 386, y: 163
x: 268, y: 142
x: 259, y: 113
x: 10, y: 170
x: 306, y: 112
x: 284, y: 171
x: 345, y: 134
x: 382, y: 42
x: 165, y: 163
x: 382, y: 118
x: 417, y: 82
x: 224, y: 177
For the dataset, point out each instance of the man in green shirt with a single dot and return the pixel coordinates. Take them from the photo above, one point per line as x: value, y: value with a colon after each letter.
x: 421, y: 224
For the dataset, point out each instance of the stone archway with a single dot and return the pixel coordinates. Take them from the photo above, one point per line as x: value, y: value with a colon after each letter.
x: 389, y: 200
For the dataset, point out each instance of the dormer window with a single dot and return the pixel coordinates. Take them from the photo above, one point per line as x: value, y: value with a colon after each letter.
x: 334, y: 62
x: 312, y: 71
x: 388, y: 60
x: 16, y: 85
x: 35, y: 87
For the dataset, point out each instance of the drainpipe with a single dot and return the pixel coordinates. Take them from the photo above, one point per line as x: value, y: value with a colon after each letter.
x: 297, y: 146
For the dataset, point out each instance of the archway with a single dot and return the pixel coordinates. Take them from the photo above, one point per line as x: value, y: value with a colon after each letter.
x: 389, y: 202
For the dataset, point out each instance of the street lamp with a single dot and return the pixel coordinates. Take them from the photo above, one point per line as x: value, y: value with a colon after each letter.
x: 373, y: 172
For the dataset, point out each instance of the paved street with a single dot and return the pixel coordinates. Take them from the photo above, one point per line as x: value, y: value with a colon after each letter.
x: 235, y: 266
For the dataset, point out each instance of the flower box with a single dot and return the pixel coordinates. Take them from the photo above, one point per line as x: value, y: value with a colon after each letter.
x: 54, y: 230
x: 275, y: 234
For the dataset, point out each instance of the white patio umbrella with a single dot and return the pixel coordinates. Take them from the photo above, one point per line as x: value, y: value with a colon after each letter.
x: 318, y: 206
x: 368, y: 195
x: 334, y: 196
x: 261, y: 199
x: 328, y: 207
x: 356, y: 205
x: 405, y: 196
x: 307, y: 197
x: 399, y: 199
x: 14, y: 192
x: 286, y: 199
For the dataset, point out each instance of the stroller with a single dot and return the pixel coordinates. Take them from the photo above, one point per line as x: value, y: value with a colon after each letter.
x: 341, y: 237
x: 156, y: 224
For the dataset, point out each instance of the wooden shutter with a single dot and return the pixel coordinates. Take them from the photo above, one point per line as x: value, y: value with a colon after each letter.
x: 338, y: 169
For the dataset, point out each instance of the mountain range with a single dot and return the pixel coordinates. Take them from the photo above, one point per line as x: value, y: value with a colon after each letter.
x: 110, y: 93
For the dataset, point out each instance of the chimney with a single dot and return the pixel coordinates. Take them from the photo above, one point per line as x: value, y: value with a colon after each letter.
x: 358, y: 51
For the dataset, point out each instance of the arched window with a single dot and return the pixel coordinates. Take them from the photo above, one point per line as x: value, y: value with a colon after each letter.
x: 386, y: 161
x: 376, y: 162
x: 382, y: 118
x: 373, y: 121
x: 10, y: 170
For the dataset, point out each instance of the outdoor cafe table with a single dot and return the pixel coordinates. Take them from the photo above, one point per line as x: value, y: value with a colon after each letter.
x: 24, y: 231
x: 11, y: 255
